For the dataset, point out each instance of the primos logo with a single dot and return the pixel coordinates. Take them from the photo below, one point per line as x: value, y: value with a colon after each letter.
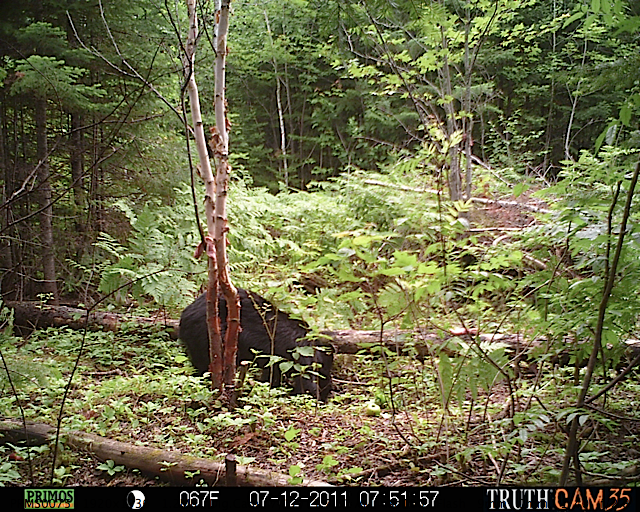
x: 48, y: 498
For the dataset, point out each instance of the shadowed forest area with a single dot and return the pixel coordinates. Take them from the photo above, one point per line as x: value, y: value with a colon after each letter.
x: 443, y: 193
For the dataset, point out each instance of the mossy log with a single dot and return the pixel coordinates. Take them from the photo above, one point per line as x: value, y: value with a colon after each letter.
x: 169, y: 466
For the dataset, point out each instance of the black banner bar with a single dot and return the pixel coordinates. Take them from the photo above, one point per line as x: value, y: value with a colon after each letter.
x: 610, y: 499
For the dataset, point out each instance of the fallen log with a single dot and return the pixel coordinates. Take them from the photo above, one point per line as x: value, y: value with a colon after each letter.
x: 33, y: 315
x: 169, y: 466
x: 481, y: 200
x: 423, y: 343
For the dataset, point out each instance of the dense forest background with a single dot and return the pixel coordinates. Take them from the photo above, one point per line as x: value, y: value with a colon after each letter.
x: 91, y: 109
x: 455, y: 166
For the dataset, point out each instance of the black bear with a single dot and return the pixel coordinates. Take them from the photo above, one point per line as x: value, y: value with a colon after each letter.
x: 266, y: 330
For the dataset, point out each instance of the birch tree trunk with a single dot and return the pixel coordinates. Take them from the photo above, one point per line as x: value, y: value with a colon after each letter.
x: 467, y: 121
x: 575, y: 97
x: 222, y: 353
x: 221, y: 154
x: 213, y: 324
x: 283, y: 138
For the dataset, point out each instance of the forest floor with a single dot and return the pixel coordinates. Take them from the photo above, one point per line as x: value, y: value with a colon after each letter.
x: 135, y: 387
x: 340, y: 444
x: 337, y: 443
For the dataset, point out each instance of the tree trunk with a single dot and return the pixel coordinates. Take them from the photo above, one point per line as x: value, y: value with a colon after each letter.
x: 46, y: 215
x: 223, y: 169
x: 467, y: 120
x: 454, y: 177
x: 95, y: 199
x: 547, y: 160
x: 283, y: 138
x: 7, y: 278
x: 76, y: 160
x: 222, y: 354
x: 213, y: 322
x: 574, y: 106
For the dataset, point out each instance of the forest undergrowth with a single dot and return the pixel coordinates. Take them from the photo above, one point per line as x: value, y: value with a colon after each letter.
x: 470, y: 410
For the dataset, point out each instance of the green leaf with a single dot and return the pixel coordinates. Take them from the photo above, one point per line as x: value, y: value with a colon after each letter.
x: 329, y: 461
x: 572, y: 18
x: 306, y: 351
x: 285, y: 366
x: 625, y: 114
x: 589, y: 21
x: 295, y: 470
x: 395, y: 271
x: 519, y: 189
x: 291, y: 434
